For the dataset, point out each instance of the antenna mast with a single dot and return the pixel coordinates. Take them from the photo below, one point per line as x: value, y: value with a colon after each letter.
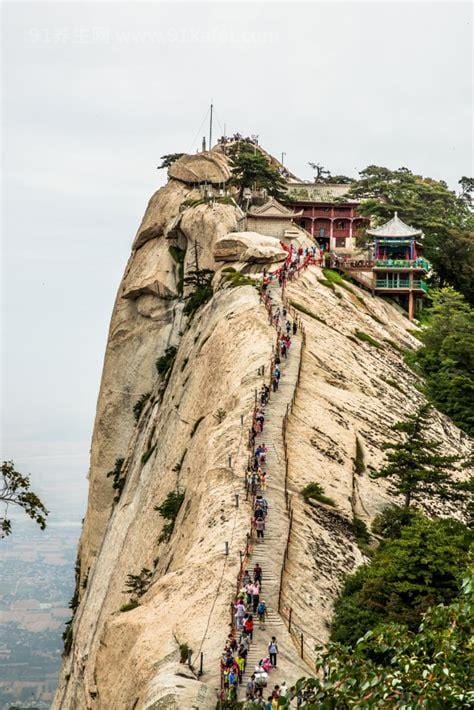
x: 210, y: 127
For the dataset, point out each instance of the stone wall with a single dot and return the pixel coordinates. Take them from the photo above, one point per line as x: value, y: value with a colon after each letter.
x: 269, y: 227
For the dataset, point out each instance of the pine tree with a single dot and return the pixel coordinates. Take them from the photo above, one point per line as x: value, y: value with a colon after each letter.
x: 251, y: 168
x: 138, y: 584
x: 169, y: 159
x: 415, y: 468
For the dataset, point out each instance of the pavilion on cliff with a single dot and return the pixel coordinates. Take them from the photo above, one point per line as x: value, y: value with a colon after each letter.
x: 398, y: 269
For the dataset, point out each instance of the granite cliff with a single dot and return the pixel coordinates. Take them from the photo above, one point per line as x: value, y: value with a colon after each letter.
x: 191, y: 436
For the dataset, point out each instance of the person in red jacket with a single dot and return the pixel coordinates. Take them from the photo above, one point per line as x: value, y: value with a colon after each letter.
x: 248, y: 626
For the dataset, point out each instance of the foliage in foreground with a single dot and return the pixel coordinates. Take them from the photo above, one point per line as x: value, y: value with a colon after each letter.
x: 407, y: 575
x: 447, y: 357
x: 15, y: 490
x: 394, y: 667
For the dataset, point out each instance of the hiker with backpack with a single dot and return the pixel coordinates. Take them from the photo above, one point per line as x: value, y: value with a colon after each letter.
x: 273, y: 651
x: 262, y: 613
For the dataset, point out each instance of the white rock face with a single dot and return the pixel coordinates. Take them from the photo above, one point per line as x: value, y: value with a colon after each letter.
x: 349, y: 391
x: 162, y: 208
x: 248, y: 247
x: 131, y: 659
x: 152, y: 271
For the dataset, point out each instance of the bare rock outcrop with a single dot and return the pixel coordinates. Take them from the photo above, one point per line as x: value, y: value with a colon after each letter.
x: 162, y: 208
x: 205, y: 167
x: 152, y: 271
x: 248, y: 247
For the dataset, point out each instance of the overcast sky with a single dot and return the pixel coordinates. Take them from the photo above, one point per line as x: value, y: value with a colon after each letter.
x: 95, y: 93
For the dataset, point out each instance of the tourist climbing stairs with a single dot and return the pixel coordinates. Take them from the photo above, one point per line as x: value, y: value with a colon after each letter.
x: 269, y: 553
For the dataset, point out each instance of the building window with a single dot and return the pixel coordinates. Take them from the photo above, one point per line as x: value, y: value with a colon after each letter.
x: 340, y: 242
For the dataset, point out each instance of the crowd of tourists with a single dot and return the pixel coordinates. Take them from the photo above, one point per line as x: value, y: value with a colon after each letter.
x: 249, y: 606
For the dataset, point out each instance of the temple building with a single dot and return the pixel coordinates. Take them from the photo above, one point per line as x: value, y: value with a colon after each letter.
x: 398, y: 268
x: 325, y: 211
x: 273, y: 220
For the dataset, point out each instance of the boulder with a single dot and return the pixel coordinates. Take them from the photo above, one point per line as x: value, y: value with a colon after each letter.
x: 152, y: 271
x: 248, y: 247
x: 208, y: 166
x: 162, y: 209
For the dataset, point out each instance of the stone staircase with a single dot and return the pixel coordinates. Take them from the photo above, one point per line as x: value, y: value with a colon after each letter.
x: 270, y: 553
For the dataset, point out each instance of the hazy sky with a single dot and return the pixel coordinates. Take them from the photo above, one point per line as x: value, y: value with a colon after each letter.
x: 95, y: 93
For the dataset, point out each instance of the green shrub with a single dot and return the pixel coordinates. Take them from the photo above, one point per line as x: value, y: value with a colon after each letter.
x: 169, y: 510
x: 419, y: 569
x: 184, y: 652
x: 190, y: 202
x: 394, y: 345
x: 68, y: 637
x: 447, y: 357
x: 198, y: 298
x: 220, y: 415
x: 391, y: 667
x: 225, y: 200
x: 130, y: 605
x: 118, y: 477
x: 166, y: 532
x: 366, y: 338
x: 179, y: 255
x: 392, y: 383
x: 237, y: 279
x: 334, y: 277
x: 307, y: 312
x: 147, y: 454
x: 328, y: 284
x: 166, y: 361
x: 138, y: 584
x: 139, y: 404
x: 359, y: 463
x: 316, y: 491
x: 177, y: 467
x: 201, y: 281
x: 361, y: 531
x: 391, y: 521
x: 195, y: 427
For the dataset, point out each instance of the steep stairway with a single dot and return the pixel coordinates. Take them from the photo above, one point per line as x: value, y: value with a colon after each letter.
x: 270, y: 553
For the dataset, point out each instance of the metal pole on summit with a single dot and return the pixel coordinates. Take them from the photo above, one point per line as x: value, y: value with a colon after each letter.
x: 210, y: 127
